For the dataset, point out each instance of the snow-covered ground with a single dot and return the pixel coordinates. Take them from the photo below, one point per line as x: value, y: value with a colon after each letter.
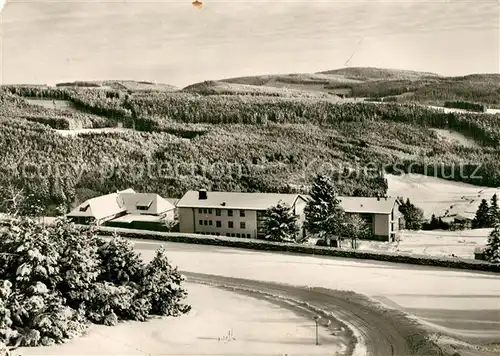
x: 438, y: 196
x: 433, y: 243
x: 94, y: 131
x: 455, y: 137
x: 258, y: 328
x: 448, y: 110
x: 461, y: 293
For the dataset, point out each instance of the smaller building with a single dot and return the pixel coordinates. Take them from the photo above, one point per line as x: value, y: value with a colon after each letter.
x: 122, y: 207
x: 381, y: 215
x: 459, y: 221
x: 479, y: 254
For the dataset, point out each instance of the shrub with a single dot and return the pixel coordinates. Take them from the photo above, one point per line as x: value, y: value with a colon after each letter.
x: 55, y: 279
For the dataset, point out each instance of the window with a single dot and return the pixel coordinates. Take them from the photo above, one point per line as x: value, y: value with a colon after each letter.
x: 210, y: 222
x: 217, y: 212
x: 210, y: 211
x: 217, y: 234
x: 242, y: 213
x: 242, y: 225
x: 218, y: 224
x: 228, y: 234
x: 230, y: 224
x: 205, y: 211
x: 205, y: 222
x: 200, y: 211
x: 238, y: 235
x: 229, y: 212
x: 248, y: 236
x: 201, y: 222
x: 233, y: 234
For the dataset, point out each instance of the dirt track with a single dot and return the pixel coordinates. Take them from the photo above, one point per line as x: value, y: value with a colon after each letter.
x: 384, y: 332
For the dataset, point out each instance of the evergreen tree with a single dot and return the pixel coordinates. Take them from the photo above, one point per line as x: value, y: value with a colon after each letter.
x: 413, y: 215
x: 323, y: 214
x: 54, y: 279
x: 492, y: 251
x: 494, y: 211
x: 434, y: 222
x: 481, y: 220
x: 280, y: 224
x: 120, y: 263
x: 162, y: 287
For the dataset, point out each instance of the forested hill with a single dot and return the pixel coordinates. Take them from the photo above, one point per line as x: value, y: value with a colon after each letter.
x: 229, y: 136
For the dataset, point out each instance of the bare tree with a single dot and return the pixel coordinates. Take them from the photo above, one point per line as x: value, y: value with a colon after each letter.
x: 355, y: 228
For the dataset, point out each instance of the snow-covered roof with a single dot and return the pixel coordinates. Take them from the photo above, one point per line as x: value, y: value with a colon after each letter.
x: 367, y: 205
x: 236, y: 200
x: 99, y: 207
x: 123, y: 201
x: 145, y: 203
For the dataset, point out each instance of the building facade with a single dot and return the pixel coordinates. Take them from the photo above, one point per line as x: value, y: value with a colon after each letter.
x: 231, y: 214
x: 381, y: 215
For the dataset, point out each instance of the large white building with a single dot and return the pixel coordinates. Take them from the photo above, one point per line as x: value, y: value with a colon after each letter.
x: 232, y: 214
x: 241, y: 214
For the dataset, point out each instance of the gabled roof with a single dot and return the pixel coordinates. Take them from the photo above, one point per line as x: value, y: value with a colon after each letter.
x: 100, y: 207
x: 124, y: 201
x: 367, y: 205
x: 153, y: 204
x: 233, y: 200
x: 172, y: 201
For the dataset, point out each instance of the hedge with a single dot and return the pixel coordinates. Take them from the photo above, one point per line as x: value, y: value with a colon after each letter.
x: 261, y: 245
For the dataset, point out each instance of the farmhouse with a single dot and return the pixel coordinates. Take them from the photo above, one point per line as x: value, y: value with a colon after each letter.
x: 380, y: 214
x: 125, y: 206
x: 232, y: 214
x: 459, y: 221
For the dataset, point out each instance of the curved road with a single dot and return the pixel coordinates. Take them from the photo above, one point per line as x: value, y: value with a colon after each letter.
x: 384, y: 333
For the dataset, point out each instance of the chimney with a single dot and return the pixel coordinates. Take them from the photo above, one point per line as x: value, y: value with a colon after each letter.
x: 223, y: 203
x: 378, y: 198
x: 202, y: 194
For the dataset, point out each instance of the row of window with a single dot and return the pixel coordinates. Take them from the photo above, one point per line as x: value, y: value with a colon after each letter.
x: 218, y: 223
x: 218, y: 212
x: 232, y: 234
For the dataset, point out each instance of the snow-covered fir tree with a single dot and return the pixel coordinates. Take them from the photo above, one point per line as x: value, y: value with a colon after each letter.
x: 492, y: 250
x: 280, y: 224
x: 493, y: 212
x: 56, y: 278
x: 481, y: 220
x: 162, y: 287
x: 323, y: 214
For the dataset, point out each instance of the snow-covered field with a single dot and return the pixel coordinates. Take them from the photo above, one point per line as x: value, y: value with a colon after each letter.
x: 94, y: 131
x: 438, y: 196
x: 433, y: 243
x: 448, y: 110
x: 461, y: 293
x: 258, y: 328
x: 455, y: 137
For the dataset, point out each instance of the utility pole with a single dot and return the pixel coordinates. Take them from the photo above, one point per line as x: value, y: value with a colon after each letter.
x: 316, y: 319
